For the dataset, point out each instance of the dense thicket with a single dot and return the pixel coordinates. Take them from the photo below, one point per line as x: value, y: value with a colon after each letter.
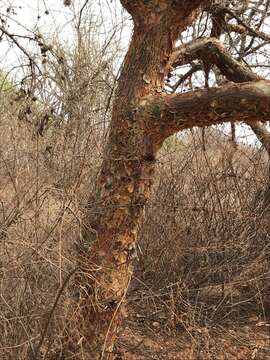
x: 202, y: 261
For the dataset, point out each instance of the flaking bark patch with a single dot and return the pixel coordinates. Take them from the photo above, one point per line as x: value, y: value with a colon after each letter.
x: 126, y: 177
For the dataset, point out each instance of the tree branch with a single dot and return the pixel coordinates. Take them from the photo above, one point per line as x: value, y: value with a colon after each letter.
x: 185, y: 76
x: 262, y: 133
x: 12, y: 37
x: 233, y: 102
x: 242, y: 27
x: 213, y: 52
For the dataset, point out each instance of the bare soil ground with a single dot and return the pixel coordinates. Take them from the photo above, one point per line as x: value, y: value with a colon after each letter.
x: 148, y: 335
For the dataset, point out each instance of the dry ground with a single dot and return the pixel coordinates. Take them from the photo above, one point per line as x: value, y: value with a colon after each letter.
x: 147, y: 335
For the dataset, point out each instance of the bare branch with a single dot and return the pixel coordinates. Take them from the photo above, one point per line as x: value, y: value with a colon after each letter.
x: 232, y: 102
x: 262, y: 133
x: 184, y: 77
x: 213, y: 52
x: 12, y: 37
x: 81, y: 13
x: 243, y: 27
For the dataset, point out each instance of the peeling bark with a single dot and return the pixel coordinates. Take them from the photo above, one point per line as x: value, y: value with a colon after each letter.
x: 143, y: 117
x: 229, y: 103
x: 124, y: 184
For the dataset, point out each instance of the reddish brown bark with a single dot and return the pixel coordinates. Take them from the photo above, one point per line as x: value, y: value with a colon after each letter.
x: 231, y: 102
x: 142, y: 118
x: 126, y: 176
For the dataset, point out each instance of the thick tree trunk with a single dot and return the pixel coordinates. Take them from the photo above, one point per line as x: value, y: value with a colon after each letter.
x: 143, y: 117
x: 125, y: 180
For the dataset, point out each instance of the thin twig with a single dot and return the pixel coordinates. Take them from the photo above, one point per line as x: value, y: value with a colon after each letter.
x: 43, y: 335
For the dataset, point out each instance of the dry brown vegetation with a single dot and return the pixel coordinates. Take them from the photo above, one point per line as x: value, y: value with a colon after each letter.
x: 50, y: 155
x: 201, y: 285
x: 202, y: 274
x: 203, y: 269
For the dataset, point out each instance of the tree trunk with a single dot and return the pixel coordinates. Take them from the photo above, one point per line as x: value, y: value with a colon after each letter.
x: 124, y: 184
x: 143, y: 117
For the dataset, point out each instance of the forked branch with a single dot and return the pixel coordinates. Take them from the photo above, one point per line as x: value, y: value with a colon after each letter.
x: 212, y: 51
